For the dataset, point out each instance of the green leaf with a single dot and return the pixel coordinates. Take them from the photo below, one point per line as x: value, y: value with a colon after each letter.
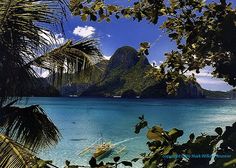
x: 112, y: 8
x: 15, y: 155
x: 116, y: 159
x: 108, y: 19
x: 146, y: 52
x: 117, y: 16
x: 93, y: 162
x: 172, y: 164
x: 101, y: 164
x: 145, y: 45
x: 219, y: 131
x: 143, y: 154
x: 84, y: 17
x: 135, y: 160
x: 191, y: 137
x: 142, y: 124
x: 167, y: 150
x: 93, y: 17
x: 175, y: 133
x: 156, y: 133
x: 230, y: 163
x: 30, y: 126
x: 173, y: 35
x: 110, y: 163
x: 126, y: 163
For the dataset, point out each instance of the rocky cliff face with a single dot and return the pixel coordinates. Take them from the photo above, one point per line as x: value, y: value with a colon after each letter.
x: 189, y: 90
x: 126, y: 73
x: 185, y: 90
x: 233, y: 94
x: 220, y: 94
x: 124, y: 58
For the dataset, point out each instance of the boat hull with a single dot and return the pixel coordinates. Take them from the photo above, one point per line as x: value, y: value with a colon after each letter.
x: 102, y: 151
x: 102, y: 155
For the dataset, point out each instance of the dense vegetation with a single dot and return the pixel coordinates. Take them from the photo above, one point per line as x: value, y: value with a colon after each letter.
x: 124, y: 71
x: 204, y: 33
x: 165, y: 151
x: 21, y: 39
x: 127, y: 71
x: 204, y: 151
x: 25, y: 36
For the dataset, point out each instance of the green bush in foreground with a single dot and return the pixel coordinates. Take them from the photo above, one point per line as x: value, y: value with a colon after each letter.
x: 204, y: 151
x: 197, y: 152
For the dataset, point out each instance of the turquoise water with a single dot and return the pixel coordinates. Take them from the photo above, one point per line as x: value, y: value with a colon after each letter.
x: 82, y: 121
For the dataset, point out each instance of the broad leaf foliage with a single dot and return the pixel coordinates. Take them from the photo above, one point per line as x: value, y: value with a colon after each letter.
x: 30, y: 126
x: 23, y: 34
x: 66, y: 56
x: 204, y: 32
x: 14, y: 155
x: 24, y: 27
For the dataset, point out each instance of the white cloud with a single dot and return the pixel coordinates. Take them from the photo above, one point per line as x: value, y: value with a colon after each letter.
x: 207, y: 81
x: 203, y: 73
x: 107, y: 57
x: 154, y: 64
x: 108, y: 35
x: 213, y: 84
x: 205, y: 77
x: 86, y: 31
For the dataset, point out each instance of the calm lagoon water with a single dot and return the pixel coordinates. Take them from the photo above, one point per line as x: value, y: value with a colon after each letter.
x: 83, y: 120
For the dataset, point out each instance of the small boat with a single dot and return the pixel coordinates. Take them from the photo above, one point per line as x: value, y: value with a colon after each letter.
x: 103, y: 150
x: 117, y: 97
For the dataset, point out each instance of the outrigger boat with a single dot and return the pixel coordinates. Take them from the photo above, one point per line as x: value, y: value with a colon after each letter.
x: 102, y: 150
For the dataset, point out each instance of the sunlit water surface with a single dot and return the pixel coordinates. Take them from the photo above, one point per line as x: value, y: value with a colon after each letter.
x: 82, y: 121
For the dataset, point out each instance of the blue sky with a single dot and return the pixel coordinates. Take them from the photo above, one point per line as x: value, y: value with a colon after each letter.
x: 123, y: 32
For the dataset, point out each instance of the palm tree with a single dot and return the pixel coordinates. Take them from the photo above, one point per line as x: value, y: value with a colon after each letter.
x: 69, y: 58
x: 24, y: 27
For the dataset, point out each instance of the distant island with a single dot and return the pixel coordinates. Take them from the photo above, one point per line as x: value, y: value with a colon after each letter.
x: 123, y: 76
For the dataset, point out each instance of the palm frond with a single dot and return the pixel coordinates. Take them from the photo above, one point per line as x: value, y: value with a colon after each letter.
x: 69, y: 58
x: 23, y: 24
x: 89, y: 47
x: 14, y: 155
x: 29, y: 126
x: 15, y: 81
x: 84, y: 51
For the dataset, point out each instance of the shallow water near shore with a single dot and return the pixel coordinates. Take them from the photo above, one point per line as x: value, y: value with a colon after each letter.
x: 82, y: 121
